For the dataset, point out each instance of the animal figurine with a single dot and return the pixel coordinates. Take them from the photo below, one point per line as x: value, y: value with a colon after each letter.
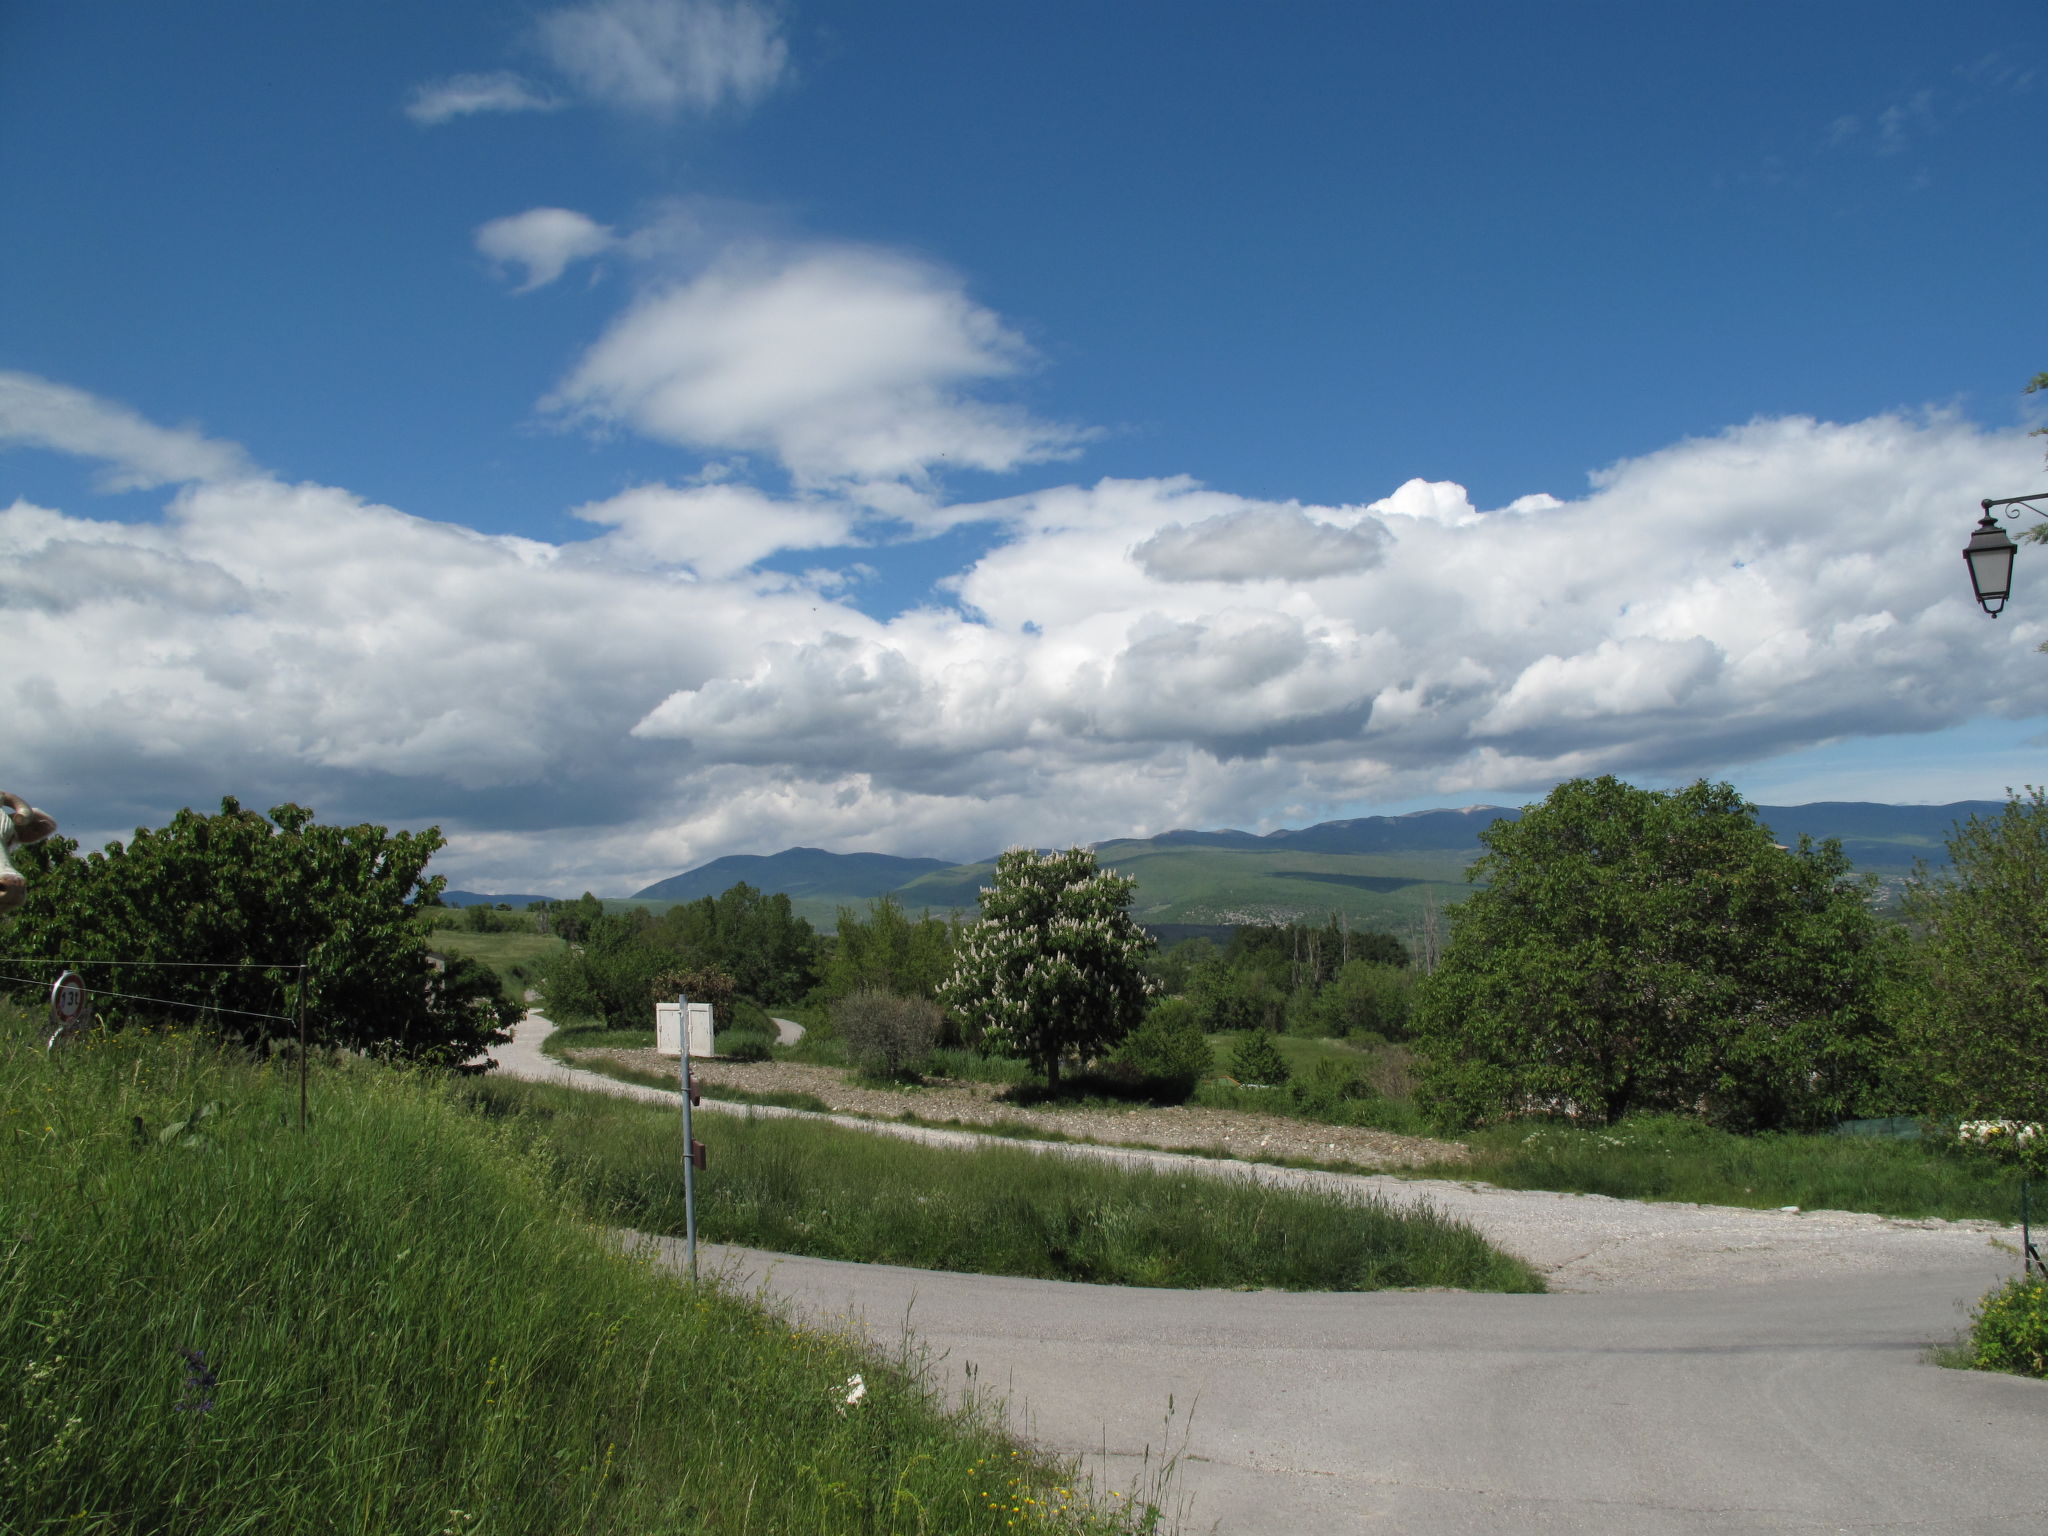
x: 20, y: 825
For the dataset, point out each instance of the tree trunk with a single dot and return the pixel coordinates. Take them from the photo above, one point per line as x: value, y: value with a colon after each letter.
x: 1052, y: 1073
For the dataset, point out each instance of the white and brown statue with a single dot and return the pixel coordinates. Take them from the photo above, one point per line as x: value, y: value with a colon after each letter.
x: 20, y: 825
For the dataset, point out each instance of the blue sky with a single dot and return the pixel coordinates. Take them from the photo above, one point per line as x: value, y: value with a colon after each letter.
x: 635, y: 431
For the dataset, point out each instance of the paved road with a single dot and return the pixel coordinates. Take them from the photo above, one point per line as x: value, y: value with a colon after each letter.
x: 1716, y: 1371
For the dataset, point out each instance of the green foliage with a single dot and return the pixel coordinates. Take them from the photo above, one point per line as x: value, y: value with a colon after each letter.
x: 571, y: 920
x: 394, y: 1323
x: 1298, y: 956
x: 1054, y: 967
x: 1258, y: 1060
x: 1328, y: 1085
x: 816, y: 1189
x: 886, y: 952
x: 1677, y: 1157
x: 1635, y: 950
x: 758, y: 940
x: 610, y: 976
x: 1975, y: 1004
x: 1364, y: 998
x: 2009, y: 1329
x: 745, y: 1045
x: 1168, y: 1054
x: 1230, y: 997
x: 226, y: 906
x: 887, y: 1035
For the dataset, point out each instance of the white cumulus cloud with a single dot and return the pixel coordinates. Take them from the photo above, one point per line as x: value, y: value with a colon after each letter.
x: 845, y: 363
x: 544, y: 241
x: 604, y: 712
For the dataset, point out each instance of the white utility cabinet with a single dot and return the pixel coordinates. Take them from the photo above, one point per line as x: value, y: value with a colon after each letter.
x: 668, y: 1030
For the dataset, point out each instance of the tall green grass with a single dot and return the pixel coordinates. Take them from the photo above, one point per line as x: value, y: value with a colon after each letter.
x: 211, y: 1323
x: 1665, y: 1157
x: 801, y: 1187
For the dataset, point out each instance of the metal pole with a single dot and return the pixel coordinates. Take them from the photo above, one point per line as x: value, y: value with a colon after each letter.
x: 2028, y: 1257
x: 302, y: 1045
x: 689, y: 1140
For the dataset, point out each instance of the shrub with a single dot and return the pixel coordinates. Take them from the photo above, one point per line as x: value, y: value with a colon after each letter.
x: 1258, y: 1060
x: 886, y: 1035
x: 1168, y: 1054
x: 2009, y: 1329
x: 745, y: 1044
x: 1330, y: 1084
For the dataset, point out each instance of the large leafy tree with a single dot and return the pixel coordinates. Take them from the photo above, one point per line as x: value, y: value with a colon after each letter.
x: 1976, y: 1002
x: 1054, y: 967
x: 1635, y: 950
x: 211, y: 916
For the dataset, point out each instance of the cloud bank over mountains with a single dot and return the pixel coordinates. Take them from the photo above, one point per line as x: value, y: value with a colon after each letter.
x: 1127, y: 656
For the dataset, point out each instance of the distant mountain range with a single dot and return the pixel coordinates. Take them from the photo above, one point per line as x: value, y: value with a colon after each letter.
x: 1379, y: 871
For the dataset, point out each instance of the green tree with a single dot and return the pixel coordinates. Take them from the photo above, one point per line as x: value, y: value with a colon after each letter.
x: 1364, y: 998
x: 1634, y: 950
x: 757, y: 939
x: 1976, y: 993
x: 220, y: 910
x: 886, y: 952
x: 1054, y: 967
x: 1258, y: 1060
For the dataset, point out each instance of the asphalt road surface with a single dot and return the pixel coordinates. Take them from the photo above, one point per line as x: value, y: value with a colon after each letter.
x: 1701, y: 1369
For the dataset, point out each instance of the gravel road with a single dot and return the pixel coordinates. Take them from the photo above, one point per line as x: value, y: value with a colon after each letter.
x: 1705, y: 1371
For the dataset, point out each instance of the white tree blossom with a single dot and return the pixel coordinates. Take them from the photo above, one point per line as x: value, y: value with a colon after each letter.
x: 1053, y: 966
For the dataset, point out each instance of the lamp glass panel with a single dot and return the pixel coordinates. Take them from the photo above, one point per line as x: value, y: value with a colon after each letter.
x: 1991, y: 568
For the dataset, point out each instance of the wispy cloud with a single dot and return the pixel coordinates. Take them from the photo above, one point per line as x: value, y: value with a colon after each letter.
x: 438, y: 101
x: 39, y: 413
x: 665, y: 56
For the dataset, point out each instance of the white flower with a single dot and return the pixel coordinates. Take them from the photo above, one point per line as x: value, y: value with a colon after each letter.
x: 855, y: 1390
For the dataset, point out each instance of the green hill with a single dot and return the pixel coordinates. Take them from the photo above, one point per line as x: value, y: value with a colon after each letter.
x: 1378, y: 871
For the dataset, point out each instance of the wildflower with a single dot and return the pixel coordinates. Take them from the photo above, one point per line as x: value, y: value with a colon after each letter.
x: 199, y: 1380
x: 855, y: 1389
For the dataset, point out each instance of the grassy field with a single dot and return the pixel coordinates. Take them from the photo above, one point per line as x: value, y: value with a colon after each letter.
x: 1668, y: 1158
x: 214, y: 1325
x: 800, y: 1187
x: 516, y: 957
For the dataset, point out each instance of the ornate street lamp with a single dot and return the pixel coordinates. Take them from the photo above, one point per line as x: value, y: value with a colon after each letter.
x: 1989, y: 552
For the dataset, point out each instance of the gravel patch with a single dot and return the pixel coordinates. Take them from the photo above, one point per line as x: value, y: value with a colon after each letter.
x: 1180, y: 1127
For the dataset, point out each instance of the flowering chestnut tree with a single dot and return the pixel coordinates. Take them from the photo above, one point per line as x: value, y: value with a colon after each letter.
x: 1052, y: 967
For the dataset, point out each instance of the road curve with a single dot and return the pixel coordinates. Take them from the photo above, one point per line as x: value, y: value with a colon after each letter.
x: 1718, y: 1371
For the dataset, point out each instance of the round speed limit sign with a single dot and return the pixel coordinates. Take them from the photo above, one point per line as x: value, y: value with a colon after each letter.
x: 67, y: 999
x: 70, y: 1006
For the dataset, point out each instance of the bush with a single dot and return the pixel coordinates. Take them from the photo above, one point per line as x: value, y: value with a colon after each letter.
x: 2009, y: 1329
x: 1330, y: 1084
x: 886, y: 1035
x: 1258, y: 1060
x: 1168, y: 1054
x: 744, y: 1044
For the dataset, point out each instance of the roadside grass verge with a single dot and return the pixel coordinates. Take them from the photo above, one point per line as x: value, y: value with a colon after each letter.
x: 800, y: 1187
x: 1663, y: 1157
x: 215, y: 1325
